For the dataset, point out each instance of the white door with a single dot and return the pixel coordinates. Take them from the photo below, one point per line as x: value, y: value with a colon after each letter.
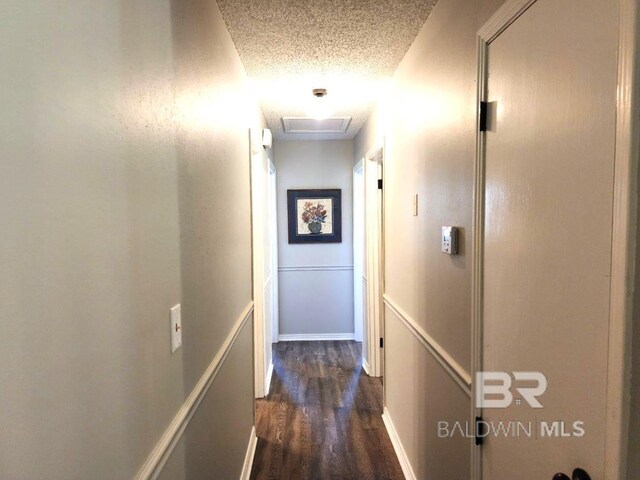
x: 264, y: 250
x: 373, y: 247
x: 269, y: 276
x: 547, y: 234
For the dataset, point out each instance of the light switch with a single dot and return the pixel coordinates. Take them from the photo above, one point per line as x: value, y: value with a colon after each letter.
x: 415, y: 205
x: 450, y: 240
x: 176, y: 328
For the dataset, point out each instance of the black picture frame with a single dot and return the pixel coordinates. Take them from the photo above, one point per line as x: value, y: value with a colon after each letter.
x: 293, y: 201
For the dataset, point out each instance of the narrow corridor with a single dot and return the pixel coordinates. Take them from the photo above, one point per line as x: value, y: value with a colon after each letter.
x: 322, y: 418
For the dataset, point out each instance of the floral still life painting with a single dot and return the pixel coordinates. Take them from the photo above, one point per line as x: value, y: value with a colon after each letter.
x: 314, y: 216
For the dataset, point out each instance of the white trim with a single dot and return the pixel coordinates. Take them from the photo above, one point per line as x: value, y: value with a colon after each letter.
x: 397, y: 446
x: 477, y: 228
x: 273, y: 209
x: 358, y: 248
x: 317, y: 268
x: 373, y: 152
x: 477, y: 266
x: 163, y: 449
x: 623, y: 247
x: 505, y: 16
x: 267, y: 380
x: 453, y: 368
x: 314, y: 337
x: 365, y: 366
x: 248, y: 458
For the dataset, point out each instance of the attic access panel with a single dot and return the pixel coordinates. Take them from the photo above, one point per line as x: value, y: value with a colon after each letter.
x: 313, y: 125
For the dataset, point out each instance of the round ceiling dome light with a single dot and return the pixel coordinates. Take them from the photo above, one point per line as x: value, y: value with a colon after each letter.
x: 318, y: 107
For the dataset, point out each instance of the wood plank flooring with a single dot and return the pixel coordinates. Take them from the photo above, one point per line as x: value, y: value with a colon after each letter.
x: 322, y: 419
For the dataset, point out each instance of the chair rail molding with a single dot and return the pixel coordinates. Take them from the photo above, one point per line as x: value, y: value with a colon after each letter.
x: 171, y: 436
x: 453, y: 368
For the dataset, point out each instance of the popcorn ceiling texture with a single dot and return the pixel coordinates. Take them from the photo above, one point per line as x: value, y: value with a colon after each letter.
x: 289, y: 47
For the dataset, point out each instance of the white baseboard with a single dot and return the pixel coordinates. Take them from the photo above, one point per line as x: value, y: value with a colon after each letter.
x: 267, y: 380
x: 314, y: 337
x: 397, y: 446
x: 317, y: 268
x: 248, y: 458
x: 365, y: 366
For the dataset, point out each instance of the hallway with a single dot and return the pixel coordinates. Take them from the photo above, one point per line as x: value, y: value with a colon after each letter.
x: 293, y: 239
x: 322, y: 418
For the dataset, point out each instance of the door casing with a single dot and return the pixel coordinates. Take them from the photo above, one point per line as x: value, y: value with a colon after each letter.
x: 358, y: 255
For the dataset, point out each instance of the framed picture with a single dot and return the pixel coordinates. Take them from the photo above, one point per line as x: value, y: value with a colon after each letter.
x: 315, y: 216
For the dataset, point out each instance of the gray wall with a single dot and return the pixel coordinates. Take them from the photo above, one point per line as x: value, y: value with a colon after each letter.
x: 125, y: 189
x: 429, y: 127
x: 318, y: 301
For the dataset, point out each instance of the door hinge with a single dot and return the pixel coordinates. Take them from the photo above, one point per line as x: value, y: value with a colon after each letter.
x: 382, y: 343
x: 484, y: 107
x: 480, y: 431
x: 379, y: 184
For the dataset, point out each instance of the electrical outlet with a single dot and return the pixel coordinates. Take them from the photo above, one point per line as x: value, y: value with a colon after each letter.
x: 176, y: 328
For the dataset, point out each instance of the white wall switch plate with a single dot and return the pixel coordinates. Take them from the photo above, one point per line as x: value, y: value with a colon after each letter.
x: 450, y: 240
x: 176, y: 328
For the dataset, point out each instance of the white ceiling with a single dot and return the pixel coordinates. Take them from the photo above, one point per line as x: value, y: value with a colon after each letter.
x: 350, y: 47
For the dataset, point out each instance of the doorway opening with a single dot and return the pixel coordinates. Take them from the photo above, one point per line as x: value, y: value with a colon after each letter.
x: 265, y: 263
x: 319, y: 328
x: 311, y: 285
x: 368, y: 269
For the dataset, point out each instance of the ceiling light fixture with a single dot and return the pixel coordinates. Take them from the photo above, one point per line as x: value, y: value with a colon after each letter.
x: 319, y: 109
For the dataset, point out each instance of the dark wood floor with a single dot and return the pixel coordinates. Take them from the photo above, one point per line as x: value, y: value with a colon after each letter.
x: 322, y: 419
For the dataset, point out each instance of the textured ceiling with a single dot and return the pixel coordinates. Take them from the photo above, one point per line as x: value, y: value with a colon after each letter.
x: 350, y: 47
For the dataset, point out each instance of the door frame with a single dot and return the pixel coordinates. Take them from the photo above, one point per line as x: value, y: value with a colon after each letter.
x: 623, y: 230
x: 261, y: 183
x: 258, y: 256
x: 374, y: 263
x: 358, y: 252
x: 273, y: 220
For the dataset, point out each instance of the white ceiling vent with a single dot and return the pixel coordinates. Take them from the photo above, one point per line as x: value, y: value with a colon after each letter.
x: 313, y: 125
